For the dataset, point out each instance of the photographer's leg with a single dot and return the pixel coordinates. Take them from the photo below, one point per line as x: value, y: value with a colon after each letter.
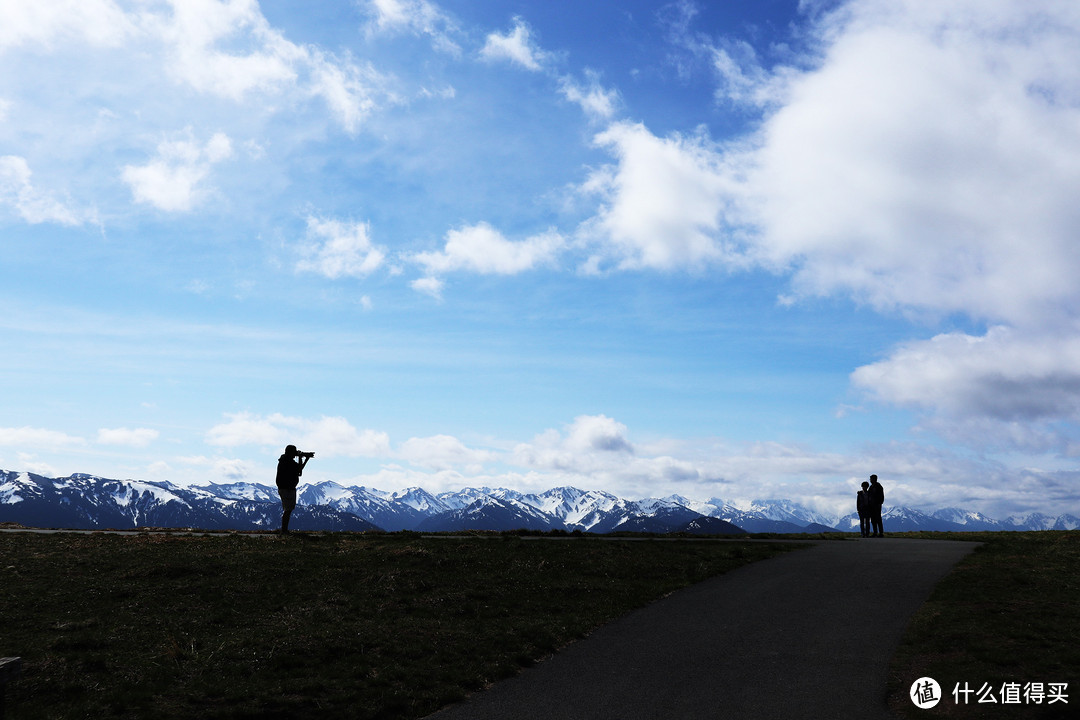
x: 288, y: 502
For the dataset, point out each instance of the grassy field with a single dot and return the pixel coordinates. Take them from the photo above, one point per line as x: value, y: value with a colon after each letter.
x: 1009, y: 613
x: 395, y: 626
x: 311, y: 625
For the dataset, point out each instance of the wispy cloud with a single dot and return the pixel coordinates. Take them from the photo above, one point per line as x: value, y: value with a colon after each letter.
x: 351, y: 91
x: 137, y: 437
x: 226, y: 49
x: 40, y: 438
x: 416, y: 16
x: 598, y: 102
x: 516, y: 46
x: 97, y: 22
x: 32, y: 204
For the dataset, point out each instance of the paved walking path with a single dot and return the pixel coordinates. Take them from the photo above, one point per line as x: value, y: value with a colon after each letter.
x: 808, y: 634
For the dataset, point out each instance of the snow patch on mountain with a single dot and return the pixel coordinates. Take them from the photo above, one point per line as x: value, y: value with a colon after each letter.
x: 419, y: 499
x: 237, y: 491
x: 968, y: 519
x: 130, y: 492
x: 572, y: 506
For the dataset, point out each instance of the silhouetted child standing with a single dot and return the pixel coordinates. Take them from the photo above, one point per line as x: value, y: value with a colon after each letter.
x: 862, y: 503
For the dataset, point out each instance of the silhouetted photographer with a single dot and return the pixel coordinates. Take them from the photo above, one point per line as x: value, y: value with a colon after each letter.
x: 289, y: 470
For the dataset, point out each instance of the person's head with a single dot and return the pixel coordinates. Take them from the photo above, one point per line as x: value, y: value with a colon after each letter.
x: 290, y: 450
x: 873, y: 478
x: 865, y: 485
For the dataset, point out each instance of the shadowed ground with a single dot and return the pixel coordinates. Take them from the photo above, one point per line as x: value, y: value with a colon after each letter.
x: 807, y: 634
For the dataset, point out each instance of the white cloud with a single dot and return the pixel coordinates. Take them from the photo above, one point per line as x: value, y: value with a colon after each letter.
x: 417, y: 16
x: 38, y: 438
x: 734, y: 63
x: 432, y: 286
x: 599, y: 103
x: 995, y: 435
x: 665, y: 203
x: 171, y: 181
x: 223, y: 469
x: 448, y: 92
x: 597, y: 433
x: 516, y: 46
x: 231, y: 470
x: 33, y: 205
x: 336, y: 436
x: 137, y: 437
x: 443, y: 452
x: 159, y: 468
x: 594, y: 452
x: 47, y: 22
x: 931, y: 161
x: 248, y: 429
x: 29, y: 463
x: 349, y: 90
x: 340, y: 249
x: 482, y: 249
x: 194, y: 30
x: 328, y: 436
x: 925, y: 160
x: 225, y: 48
x: 394, y: 13
x: 201, y: 36
x: 743, y: 80
x: 1002, y: 374
x: 197, y: 31
x: 591, y: 443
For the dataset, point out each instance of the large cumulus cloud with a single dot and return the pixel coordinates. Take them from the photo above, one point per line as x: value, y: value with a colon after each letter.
x: 922, y: 158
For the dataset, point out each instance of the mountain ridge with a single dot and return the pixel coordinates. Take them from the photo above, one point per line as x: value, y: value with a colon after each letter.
x: 86, y: 501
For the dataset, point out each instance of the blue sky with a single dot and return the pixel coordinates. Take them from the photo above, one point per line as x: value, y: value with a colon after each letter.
x: 737, y: 250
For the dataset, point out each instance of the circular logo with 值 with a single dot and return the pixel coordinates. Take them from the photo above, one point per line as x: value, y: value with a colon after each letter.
x: 925, y: 693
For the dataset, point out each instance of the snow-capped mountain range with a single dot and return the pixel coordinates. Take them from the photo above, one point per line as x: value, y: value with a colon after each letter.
x: 85, y: 501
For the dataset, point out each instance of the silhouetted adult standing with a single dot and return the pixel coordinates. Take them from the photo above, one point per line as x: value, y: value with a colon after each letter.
x: 862, y: 504
x: 289, y: 471
x: 876, y: 495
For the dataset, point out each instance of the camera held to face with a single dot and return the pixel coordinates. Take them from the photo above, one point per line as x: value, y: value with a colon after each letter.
x: 307, y: 455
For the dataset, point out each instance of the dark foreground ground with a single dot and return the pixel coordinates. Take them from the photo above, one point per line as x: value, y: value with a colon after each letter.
x: 166, y: 625
x: 803, y: 635
x: 358, y: 626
